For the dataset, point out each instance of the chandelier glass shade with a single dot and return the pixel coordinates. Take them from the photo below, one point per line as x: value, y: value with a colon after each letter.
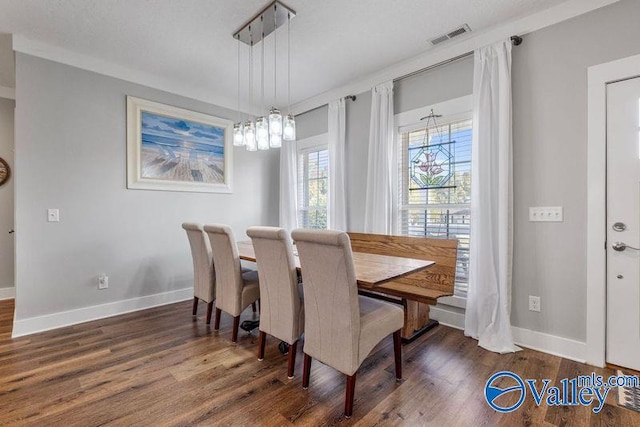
x: 275, y: 141
x: 262, y: 133
x: 238, y: 134
x: 250, y: 136
x: 267, y: 131
x: 289, y: 130
x: 275, y: 126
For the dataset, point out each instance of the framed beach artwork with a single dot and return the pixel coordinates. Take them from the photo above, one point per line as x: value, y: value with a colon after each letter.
x: 174, y: 149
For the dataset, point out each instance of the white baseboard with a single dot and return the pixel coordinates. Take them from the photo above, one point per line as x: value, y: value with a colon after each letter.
x: 447, y: 317
x: 551, y: 344
x: 546, y: 343
x: 67, y: 318
x: 7, y: 92
x: 7, y: 293
x: 539, y: 341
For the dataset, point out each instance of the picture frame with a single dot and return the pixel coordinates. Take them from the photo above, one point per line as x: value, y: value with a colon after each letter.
x: 175, y: 149
x: 5, y: 171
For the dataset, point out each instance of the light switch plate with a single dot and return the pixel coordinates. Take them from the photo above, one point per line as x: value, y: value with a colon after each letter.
x: 546, y: 214
x: 53, y: 215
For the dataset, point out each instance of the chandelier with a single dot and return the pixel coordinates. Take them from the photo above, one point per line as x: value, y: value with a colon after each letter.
x: 268, y: 130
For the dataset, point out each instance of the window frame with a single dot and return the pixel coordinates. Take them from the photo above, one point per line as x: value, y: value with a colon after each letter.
x: 303, y: 147
x: 457, y: 109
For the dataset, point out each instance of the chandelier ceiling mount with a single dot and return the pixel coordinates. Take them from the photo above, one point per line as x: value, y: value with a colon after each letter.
x: 262, y: 24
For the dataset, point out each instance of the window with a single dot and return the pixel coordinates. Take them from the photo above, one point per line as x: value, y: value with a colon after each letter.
x: 313, y: 173
x: 435, y: 185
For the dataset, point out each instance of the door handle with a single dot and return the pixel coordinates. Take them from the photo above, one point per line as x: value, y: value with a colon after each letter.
x: 11, y: 231
x: 621, y: 246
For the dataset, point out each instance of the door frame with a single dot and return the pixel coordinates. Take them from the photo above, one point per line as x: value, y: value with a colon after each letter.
x: 598, y: 76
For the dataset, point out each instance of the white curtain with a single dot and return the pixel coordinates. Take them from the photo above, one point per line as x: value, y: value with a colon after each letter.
x: 336, y: 203
x: 288, y: 186
x: 489, y: 296
x: 381, y: 194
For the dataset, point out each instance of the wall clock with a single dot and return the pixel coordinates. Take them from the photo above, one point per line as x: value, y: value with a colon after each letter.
x: 5, y: 171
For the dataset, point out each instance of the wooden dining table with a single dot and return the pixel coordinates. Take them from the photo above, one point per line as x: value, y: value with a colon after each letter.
x: 371, y: 269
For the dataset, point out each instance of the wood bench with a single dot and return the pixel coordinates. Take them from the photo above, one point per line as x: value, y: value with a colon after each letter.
x: 418, y: 290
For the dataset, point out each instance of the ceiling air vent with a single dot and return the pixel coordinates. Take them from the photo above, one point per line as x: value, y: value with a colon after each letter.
x: 451, y: 34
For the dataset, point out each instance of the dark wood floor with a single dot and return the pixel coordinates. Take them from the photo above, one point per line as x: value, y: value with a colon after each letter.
x: 163, y: 367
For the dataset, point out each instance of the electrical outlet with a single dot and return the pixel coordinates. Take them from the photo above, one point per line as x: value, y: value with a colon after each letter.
x: 53, y: 215
x: 534, y: 303
x: 103, y: 281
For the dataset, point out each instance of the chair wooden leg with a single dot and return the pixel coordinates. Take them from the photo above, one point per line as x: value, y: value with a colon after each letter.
x: 348, y: 401
x: 195, y: 305
x: 234, y: 331
x: 216, y: 322
x: 253, y: 307
x: 291, y: 359
x: 397, y: 351
x: 209, y: 310
x: 262, y: 338
x: 306, y: 371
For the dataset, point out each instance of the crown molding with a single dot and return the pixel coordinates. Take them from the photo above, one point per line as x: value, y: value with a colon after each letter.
x: 86, y: 62
x: 474, y: 40
x: 7, y: 92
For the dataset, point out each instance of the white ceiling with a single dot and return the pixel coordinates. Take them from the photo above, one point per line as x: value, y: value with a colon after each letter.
x: 333, y: 41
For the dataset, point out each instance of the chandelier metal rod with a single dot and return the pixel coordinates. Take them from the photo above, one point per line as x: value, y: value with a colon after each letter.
x: 262, y: 76
x: 275, y: 57
x: 289, y: 64
x: 238, y: 115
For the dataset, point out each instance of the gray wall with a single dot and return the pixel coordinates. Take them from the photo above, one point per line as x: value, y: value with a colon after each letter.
x: 6, y: 194
x: 550, y: 153
x: 440, y: 84
x: 7, y: 73
x: 70, y: 154
x: 550, y: 160
x: 311, y: 123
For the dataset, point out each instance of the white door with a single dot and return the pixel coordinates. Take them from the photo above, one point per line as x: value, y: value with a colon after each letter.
x: 623, y: 223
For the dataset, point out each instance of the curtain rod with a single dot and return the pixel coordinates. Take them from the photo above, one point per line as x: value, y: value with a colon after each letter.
x: 431, y: 67
x: 516, y: 40
x: 348, y: 97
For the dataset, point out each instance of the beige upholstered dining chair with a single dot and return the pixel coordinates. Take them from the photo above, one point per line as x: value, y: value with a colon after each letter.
x: 204, y: 280
x: 341, y: 328
x: 281, y: 307
x: 235, y: 290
